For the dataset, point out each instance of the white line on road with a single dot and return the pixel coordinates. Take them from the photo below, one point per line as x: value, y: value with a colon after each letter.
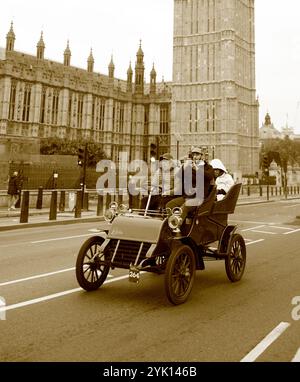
x: 73, y: 268
x: 296, y: 230
x: 267, y: 232
x: 284, y: 228
x: 40, y: 276
x: 59, y: 238
x: 251, y: 222
x: 53, y: 296
x: 266, y: 342
x: 36, y: 277
x: 250, y: 229
x: 256, y: 241
x: 297, y: 356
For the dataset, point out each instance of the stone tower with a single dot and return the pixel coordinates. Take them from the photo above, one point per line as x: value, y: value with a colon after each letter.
x: 214, y: 100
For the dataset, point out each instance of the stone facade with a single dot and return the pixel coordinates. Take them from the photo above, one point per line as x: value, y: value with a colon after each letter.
x: 268, y: 131
x: 211, y: 101
x: 214, y: 100
x: 41, y: 98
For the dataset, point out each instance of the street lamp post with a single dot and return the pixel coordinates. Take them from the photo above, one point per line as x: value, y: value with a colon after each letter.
x: 55, y: 176
x: 178, y: 139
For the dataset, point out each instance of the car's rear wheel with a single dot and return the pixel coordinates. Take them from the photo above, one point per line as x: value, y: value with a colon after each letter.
x: 180, y: 274
x: 91, y: 267
x: 235, y: 262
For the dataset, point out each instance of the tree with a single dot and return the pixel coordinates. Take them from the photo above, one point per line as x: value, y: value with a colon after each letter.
x: 59, y: 146
x: 289, y: 150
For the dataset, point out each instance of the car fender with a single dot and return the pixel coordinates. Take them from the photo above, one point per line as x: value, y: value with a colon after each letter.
x: 102, y: 234
x: 225, y: 240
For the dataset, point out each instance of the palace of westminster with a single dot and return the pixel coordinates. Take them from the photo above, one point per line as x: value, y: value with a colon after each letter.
x: 210, y: 102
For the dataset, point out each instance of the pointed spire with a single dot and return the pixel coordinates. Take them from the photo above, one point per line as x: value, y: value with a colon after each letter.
x: 40, y: 48
x: 91, y: 62
x: 67, y: 55
x: 129, y: 78
x: 111, y: 64
x: 130, y: 71
x: 41, y: 41
x: 140, y: 52
x: 139, y: 71
x: 153, y: 80
x: 153, y: 71
x: 111, y: 68
x: 10, y: 39
x: 91, y: 58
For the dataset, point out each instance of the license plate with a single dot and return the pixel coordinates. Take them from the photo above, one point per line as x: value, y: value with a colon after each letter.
x: 134, y: 274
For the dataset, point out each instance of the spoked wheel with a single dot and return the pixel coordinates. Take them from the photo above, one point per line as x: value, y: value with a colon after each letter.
x: 180, y: 274
x: 235, y: 262
x: 91, y: 268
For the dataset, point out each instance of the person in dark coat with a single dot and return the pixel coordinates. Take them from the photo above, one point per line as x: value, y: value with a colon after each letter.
x: 13, y: 191
x: 201, y: 171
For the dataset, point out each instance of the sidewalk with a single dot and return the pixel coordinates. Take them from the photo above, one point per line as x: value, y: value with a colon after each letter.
x: 10, y: 220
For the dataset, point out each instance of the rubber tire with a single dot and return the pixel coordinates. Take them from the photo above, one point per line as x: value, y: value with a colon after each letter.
x: 235, y: 262
x: 178, y: 254
x: 89, y: 247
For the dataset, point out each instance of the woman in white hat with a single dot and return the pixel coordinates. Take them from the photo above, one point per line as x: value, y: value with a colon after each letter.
x: 223, y: 180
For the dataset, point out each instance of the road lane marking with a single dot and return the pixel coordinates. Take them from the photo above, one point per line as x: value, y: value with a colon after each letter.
x: 40, y: 276
x: 255, y: 241
x: 294, y: 205
x: 249, y: 242
x: 267, y: 232
x: 59, y: 238
x: 251, y: 222
x: 53, y: 296
x: 284, y: 228
x: 266, y: 342
x: 36, y: 276
x: 297, y: 356
x: 295, y: 230
x: 250, y: 229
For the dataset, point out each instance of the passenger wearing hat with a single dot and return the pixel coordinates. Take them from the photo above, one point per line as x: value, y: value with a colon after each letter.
x: 223, y: 180
x: 163, y: 184
x: 189, y: 200
x: 199, y: 163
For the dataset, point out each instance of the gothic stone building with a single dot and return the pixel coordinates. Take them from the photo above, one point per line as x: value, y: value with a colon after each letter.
x: 213, y: 92
x: 40, y: 98
x: 211, y: 101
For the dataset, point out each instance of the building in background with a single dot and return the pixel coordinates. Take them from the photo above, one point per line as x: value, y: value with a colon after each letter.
x: 211, y: 101
x: 214, y: 101
x: 269, y: 131
x: 40, y: 98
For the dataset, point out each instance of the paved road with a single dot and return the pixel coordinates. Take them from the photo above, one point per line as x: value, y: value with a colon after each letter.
x: 49, y: 318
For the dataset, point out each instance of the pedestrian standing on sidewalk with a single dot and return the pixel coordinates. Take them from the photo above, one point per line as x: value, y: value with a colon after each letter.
x: 13, y: 191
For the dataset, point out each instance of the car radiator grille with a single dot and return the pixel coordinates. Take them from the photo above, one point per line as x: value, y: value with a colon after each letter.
x: 126, y: 253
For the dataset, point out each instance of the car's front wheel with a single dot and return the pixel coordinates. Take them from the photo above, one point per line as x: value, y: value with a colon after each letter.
x: 180, y: 274
x: 91, y: 267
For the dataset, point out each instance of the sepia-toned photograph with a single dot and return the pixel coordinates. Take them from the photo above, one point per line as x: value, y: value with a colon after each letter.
x: 149, y: 184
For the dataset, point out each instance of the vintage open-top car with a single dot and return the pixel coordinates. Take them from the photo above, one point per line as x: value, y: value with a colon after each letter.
x: 160, y: 242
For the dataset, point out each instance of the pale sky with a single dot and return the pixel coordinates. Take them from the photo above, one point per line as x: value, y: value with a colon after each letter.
x: 115, y: 27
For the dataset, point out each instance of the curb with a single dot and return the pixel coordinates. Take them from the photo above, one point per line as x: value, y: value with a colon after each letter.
x: 101, y: 218
x: 51, y: 223
x: 257, y: 202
